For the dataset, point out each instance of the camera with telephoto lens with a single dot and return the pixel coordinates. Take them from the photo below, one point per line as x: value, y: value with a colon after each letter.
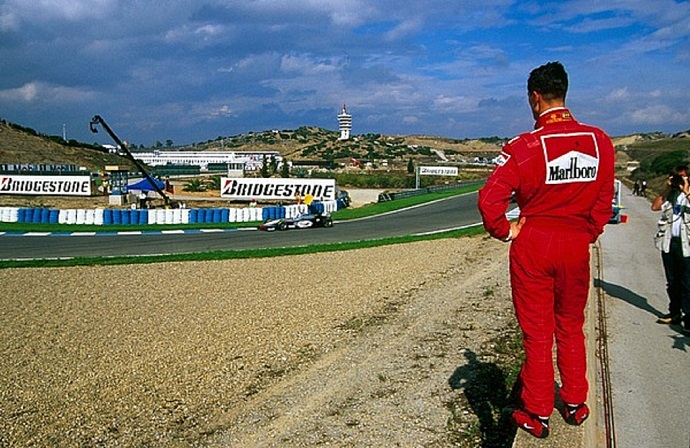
x: 676, y: 181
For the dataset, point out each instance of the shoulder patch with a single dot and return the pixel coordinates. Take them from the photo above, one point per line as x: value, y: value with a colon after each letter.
x: 502, y: 158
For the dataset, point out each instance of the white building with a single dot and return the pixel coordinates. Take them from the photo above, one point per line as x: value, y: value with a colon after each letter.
x: 345, y: 121
x: 251, y: 160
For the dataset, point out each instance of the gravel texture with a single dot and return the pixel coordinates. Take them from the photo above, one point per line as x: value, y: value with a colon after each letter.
x: 371, y: 347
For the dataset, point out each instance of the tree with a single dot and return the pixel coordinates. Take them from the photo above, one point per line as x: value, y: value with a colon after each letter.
x: 410, y: 166
x: 213, y: 183
x: 665, y: 163
x: 168, y: 143
x: 264, y: 168
x: 194, y: 185
x: 285, y: 169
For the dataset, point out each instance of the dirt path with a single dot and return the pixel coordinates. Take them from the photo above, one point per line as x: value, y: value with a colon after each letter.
x: 393, y: 346
x: 395, y: 383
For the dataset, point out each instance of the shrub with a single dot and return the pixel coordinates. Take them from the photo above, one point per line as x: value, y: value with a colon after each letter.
x: 665, y: 163
x: 194, y: 185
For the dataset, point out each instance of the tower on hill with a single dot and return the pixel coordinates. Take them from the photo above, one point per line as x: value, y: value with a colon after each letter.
x: 345, y: 122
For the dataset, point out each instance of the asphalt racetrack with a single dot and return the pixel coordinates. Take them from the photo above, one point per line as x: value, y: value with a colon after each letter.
x: 445, y: 214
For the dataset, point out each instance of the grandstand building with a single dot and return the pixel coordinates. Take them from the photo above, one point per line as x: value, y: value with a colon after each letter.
x: 248, y: 160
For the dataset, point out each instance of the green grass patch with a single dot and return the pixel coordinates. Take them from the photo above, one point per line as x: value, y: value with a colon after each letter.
x: 21, y: 227
x: 399, y: 204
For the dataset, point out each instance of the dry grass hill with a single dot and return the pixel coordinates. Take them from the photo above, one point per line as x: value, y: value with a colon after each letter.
x: 312, y: 143
x: 19, y: 145
x: 24, y: 145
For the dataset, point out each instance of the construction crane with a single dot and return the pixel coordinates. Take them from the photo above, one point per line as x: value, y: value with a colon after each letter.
x: 97, y: 119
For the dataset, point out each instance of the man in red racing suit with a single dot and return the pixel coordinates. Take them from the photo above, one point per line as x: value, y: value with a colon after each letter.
x: 561, y: 175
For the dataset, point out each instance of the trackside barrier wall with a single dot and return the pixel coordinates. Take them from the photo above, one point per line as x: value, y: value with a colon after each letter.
x: 384, y: 197
x: 105, y: 217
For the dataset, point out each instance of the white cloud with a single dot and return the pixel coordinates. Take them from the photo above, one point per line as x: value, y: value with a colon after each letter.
x: 46, y: 10
x: 659, y: 114
x: 8, y: 21
x: 410, y: 119
x: 594, y: 25
x: 256, y: 62
x: 306, y: 65
x: 200, y: 35
x: 222, y: 111
x: 26, y: 93
x: 406, y: 27
x: 33, y: 92
x: 618, y: 94
x: 418, y: 65
x: 454, y: 104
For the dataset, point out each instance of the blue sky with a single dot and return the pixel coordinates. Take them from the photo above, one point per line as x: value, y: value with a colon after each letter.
x: 191, y: 70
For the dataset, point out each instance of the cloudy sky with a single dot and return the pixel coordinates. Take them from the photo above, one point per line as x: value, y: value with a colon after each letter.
x: 193, y: 70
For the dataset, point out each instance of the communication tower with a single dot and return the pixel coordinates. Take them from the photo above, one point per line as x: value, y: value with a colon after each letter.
x: 345, y: 121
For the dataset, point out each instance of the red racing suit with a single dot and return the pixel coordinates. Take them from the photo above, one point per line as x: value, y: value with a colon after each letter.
x: 561, y: 175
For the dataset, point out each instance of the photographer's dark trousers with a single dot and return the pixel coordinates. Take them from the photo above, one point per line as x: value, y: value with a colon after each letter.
x: 550, y: 279
x: 677, y: 270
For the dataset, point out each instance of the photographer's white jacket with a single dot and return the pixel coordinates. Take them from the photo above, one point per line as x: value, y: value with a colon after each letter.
x: 662, y: 239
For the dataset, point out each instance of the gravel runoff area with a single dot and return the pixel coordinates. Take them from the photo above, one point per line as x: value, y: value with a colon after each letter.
x: 386, y: 346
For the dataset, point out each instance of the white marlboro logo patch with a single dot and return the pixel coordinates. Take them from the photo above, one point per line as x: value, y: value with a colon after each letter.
x: 570, y: 158
x: 502, y: 159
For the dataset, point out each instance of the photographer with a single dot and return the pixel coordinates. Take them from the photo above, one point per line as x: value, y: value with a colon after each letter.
x: 673, y: 240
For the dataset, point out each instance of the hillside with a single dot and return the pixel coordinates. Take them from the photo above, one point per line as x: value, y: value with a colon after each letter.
x: 312, y: 143
x: 20, y: 145
x: 646, y: 147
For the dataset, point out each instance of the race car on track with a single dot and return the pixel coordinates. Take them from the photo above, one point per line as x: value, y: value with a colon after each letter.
x: 303, y: 221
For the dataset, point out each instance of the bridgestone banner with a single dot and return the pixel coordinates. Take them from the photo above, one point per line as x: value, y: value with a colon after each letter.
x: 45, y: 185
x: 438, y: 170
x: 246, y: 189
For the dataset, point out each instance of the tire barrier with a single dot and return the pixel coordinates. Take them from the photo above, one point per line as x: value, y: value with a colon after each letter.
x: 341, y: 204
x: 106, y: 217
x: 317, y: 207
x: 291, y: 211
x: 9, y: 214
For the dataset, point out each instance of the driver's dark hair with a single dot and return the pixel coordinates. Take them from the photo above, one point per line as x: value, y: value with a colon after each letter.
x: 550, y: 80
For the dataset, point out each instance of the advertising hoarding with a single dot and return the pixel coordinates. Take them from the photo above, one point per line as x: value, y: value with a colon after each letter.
x: 45, y: 185
x: 276, y: 189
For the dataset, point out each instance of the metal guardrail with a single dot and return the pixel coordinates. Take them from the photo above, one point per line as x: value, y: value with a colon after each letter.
x: 386, y: 197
